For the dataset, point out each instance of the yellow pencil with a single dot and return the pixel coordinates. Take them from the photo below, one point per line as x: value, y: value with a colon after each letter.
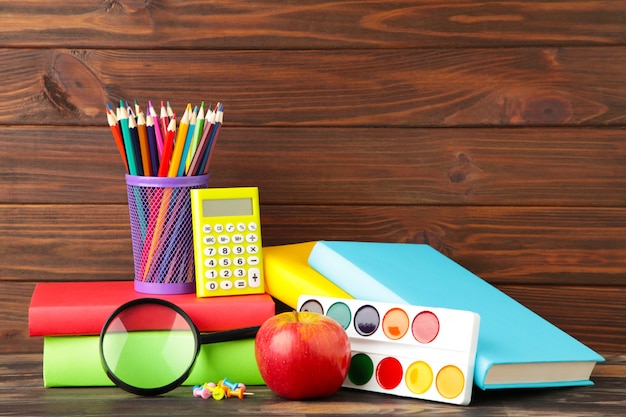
x: 181, y: 137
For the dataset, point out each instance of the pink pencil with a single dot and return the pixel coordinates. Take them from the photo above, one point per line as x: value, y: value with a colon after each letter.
x: 157, y: 128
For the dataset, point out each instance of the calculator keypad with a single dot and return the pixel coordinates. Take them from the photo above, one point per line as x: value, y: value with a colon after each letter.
x: 231, y: 256
x: 227, y: 241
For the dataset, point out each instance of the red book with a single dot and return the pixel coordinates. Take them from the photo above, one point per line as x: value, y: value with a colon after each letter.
x: 81, y: 308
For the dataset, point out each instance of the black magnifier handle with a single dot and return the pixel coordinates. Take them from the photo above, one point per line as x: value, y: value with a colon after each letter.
x: 228, y: 335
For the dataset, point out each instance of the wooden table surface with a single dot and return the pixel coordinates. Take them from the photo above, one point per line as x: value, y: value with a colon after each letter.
x: 22, y: 394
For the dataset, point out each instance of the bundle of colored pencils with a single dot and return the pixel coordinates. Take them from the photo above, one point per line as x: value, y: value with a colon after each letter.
x: 153, y: 145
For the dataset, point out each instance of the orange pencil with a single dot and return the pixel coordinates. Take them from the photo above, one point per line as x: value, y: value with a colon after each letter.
x: 117, y: 135
x: 143, y: 143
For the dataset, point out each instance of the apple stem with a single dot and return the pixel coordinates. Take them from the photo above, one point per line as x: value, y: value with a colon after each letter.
x: 295, y: 313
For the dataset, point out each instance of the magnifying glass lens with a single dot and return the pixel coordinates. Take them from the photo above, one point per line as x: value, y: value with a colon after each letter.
x: 148, y: 347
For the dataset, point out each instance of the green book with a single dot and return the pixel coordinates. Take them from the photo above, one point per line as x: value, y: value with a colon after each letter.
x: 74, y: 361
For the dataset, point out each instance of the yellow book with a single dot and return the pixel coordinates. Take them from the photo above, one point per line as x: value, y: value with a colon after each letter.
x: 288, y: 274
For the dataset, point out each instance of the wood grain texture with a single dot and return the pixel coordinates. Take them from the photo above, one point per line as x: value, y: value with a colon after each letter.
x: 493, y: 131
x: 277, y: 24
x: 427, y: 87
x: 336, y: 166
x: 23, y: 394
x: 501, y: 244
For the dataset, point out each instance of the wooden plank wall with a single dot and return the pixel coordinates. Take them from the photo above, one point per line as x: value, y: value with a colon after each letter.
x: 493, y: 131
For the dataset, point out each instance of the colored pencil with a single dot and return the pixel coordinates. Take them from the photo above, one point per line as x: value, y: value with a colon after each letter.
x: 164, y: 121
x: 197, y: 135
x: 117, y: 134
x: 202, y: 146
x: 157, y: 129
x: 134, y: 135
x: 208, y: 154
x: 188, y: 140
x: 179, y: 144
x: 167, y: 148
x: 128, y: 144
x: 143, y: 143
x: 137, y: 108
x: 153, y: 145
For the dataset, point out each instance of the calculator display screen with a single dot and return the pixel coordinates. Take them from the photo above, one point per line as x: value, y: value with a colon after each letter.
x: 228, y: 207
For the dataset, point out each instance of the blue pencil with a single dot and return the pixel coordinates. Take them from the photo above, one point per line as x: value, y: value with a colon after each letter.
x: 134, y: 137
x: 152, y: 143
x: 188, y: 140
x: 206, y: 159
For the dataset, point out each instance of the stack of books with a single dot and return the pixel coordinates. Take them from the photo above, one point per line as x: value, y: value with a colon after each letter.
x: 70, y: 316
x: 516, y: 347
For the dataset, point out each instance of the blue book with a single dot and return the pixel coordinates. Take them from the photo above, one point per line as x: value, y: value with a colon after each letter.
x: 517, y: 348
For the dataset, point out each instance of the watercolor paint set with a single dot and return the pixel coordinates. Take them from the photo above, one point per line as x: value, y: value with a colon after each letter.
x: 405, y: 350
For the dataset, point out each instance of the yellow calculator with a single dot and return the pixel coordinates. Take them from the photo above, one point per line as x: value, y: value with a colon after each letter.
x: 227, y: 241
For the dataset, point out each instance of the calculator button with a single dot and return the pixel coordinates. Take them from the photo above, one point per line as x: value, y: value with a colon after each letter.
x: 206, y: 228
x: 226, y: 285
x: 238, y: 250
x: 240, y: 284
x: 225, y: 262
x: 210, y: 251
x: 223, y: 239
x: 238, y: 238
x: 210, y: 274
x: 219, y: 228
x: 209, y: 240
x: 253, y: 260
x: 252, y: 249
x: 252, y: 238
x: 224, y: 250
x: 211, y: 285
x: 210, y: 263
x: 252, y: 227
x: 225, y: 273
x: 239, y: 261
x: 239, y: 272
x: 230, y: 227
x: 241, y: 227
x: 254, y: 277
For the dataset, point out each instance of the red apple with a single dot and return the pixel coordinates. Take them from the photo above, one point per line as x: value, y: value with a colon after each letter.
x: 302, y: 354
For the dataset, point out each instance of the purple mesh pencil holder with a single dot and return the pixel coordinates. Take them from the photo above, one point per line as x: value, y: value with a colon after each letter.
x: 162, y: 234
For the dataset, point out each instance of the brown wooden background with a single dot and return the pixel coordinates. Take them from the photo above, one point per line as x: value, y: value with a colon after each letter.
x: 494, y: 131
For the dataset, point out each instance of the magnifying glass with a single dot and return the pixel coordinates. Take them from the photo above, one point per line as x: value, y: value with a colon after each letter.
x: 149, y: 345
